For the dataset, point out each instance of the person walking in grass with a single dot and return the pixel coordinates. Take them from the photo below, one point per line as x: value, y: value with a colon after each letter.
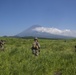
x: 2, y: 44
x: 35, y: 47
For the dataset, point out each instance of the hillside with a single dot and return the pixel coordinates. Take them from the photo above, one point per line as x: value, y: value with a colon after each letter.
x: 56, y: 56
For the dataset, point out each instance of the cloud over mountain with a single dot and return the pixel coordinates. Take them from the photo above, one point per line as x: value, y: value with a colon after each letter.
x: 66, y: 32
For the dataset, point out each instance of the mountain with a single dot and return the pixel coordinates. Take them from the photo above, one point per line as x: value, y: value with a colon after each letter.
x: 39, y: 31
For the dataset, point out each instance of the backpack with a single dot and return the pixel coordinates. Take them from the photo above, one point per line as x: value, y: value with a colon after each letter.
x: 35, y: 45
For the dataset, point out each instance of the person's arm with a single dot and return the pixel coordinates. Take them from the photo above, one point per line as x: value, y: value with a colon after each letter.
x: 39, y: 45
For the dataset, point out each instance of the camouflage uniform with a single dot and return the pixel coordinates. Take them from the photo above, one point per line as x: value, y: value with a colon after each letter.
x: 36, y: 47
x: 2, y: 44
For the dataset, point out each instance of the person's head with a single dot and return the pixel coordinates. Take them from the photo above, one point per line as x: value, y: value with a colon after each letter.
x: 1, y: 41
x: 35, y: 39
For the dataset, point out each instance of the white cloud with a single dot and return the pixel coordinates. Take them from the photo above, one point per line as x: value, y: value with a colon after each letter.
x: 57, y: 31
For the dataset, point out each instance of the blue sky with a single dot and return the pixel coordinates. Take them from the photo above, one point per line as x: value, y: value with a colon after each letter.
x: 18, y: 15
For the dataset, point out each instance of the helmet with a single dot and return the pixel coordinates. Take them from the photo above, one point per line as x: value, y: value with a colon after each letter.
x: 35, y: 38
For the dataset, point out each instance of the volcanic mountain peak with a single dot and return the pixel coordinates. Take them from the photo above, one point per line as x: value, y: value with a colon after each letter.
x: 34, y: 26
x: 39, y: 31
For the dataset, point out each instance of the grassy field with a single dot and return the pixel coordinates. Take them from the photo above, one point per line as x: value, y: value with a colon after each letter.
x: 56, y: 56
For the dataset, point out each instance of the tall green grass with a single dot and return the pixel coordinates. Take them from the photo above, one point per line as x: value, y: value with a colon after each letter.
x: 55, y: 56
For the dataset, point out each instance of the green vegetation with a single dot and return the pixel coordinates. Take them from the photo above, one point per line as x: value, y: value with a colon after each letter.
x: 55, y: 56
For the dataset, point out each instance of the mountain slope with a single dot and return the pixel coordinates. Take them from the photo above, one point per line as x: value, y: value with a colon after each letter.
x: 34, y: 33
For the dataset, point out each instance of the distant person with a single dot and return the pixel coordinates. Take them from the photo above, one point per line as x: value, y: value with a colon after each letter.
x: 2, y: 42
x: 75, y: 48
x: 35, y: 47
